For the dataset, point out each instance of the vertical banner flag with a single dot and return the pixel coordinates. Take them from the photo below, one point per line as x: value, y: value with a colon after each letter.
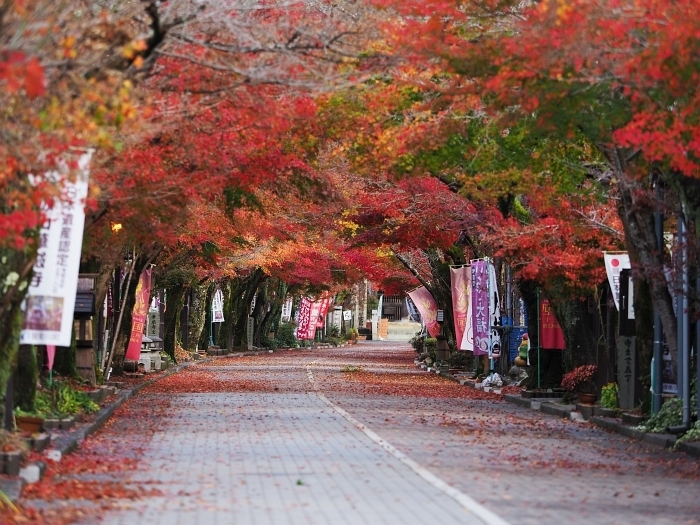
x: 615, y: 262
x: 461, y: 281
x: 138, y: 315
x: 313, y: 320
x: 217, y: 307
x: 494, y: 310
x: 324, y: 305
x: 50, y: 355
x: 50, y: 301
x: 480, y: 307
x: 427, y: 308
x: 304, y: 318
x: 287, y: 310
x: 551, y: 335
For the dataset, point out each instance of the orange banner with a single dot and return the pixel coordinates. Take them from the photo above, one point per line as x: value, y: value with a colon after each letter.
x: 138, y: 315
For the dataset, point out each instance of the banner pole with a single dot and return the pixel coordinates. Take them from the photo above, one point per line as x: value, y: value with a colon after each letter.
x: 211, y: 323
x: 539, y: 343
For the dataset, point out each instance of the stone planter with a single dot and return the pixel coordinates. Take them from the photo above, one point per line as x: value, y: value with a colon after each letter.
x: 52, y: 424
x: 604, y: 412
x: 11, y: 462
x: 67, y: 423
x: 40, y: 442
x: 95, y: 395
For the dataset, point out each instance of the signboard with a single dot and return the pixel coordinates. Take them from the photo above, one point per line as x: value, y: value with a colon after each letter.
x: 626, y: 362
x: 50, y: 300
x: 626, y: 309
x: 153, y: 324
x: 217, y: 307
x: 287, y: 310
x: 337, y: 318
x: 347, y: 315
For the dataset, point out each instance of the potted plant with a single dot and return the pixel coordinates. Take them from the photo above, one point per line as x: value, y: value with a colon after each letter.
x: 581, y: 381
x: 28, y: 422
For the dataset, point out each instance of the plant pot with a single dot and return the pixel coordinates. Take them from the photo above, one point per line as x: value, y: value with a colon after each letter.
x: 585, y: 397
x: 29, y: 423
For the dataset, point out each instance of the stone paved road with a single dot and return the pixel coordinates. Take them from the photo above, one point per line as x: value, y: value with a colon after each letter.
x: 357, y: 435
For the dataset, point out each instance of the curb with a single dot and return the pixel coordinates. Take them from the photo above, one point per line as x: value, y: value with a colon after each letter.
x: 65, y: 444
x: 690, y: 448
x: 572, y: 412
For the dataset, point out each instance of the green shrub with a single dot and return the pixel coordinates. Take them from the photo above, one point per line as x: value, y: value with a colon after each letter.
x: 430, y: 346
x: 608, y: 396
x: 460, y: 360
x: 285, y: 335
x: 418, y: 342
x: 60, y: 399
x: 692, y: 435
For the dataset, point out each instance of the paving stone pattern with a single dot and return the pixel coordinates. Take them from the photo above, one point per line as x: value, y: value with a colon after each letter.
x: 285, y: 457
x: 260, y: 458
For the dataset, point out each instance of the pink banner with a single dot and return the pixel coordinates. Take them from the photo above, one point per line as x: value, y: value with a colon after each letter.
x: 480, y: 307
x: 427, y: 307
x: 50, y: 355
x: 461, y: 279
x: 138, y: 315
x: 304, y: 319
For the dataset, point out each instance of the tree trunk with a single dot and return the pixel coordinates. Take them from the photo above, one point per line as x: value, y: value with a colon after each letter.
x: 11, y: 315
x: 225, y: 336
x: 175, y: 296
x: 644, y: 326
x: 580, y: 331
x: 65, y: 361
x: 10, y: 327
x: 271, y: 319
x: 199, y: 320
x: 636, y: 210
x: 243, y: 296
x: 25, y: 378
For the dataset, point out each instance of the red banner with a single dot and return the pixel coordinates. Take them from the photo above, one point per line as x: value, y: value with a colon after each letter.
x: 427, y: 307
x: 461, y: 280
x: 325, y: 304
x: 304, y: 319
x: 551, y: 335
x: 138, y: 315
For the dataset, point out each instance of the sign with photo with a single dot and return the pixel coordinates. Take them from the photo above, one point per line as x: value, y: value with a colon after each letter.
x: 50, y: 301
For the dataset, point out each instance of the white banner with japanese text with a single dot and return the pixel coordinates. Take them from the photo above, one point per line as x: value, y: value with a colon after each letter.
x: 50, y: 301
